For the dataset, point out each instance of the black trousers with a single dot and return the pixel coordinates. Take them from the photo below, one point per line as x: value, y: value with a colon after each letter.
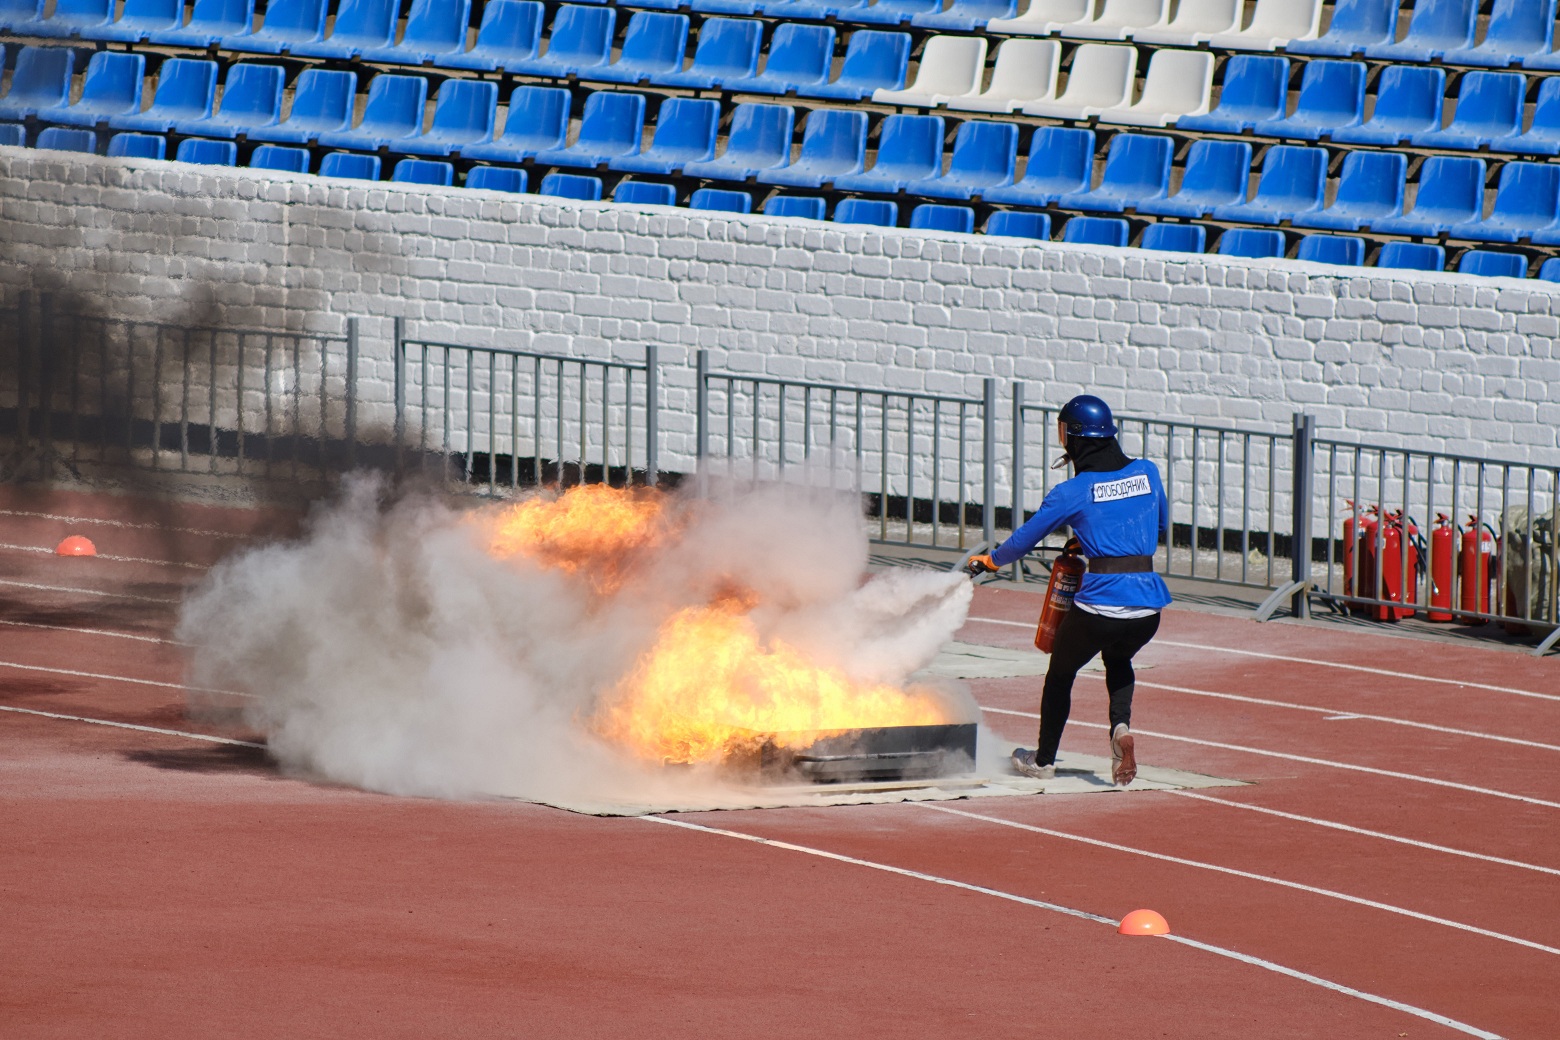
x: 1081, y: 636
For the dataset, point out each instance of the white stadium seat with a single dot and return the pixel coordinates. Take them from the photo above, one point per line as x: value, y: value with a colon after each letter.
x: 1179, y: 83
x: 951, y: 66
x: 1044, y: 17
x: 1101, y: 78
x: 1195, y: 21
x: 1275, y: 24
x: 1118, y: 19
x: 1025, y: 71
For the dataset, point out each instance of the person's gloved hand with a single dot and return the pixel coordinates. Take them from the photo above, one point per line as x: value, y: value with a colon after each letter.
x: 983, y: 564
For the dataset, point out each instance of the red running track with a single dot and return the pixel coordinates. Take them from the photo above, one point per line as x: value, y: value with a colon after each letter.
x: 1392, y: 869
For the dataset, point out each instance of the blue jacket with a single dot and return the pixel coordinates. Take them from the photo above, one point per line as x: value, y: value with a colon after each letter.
x: 1113, y: 514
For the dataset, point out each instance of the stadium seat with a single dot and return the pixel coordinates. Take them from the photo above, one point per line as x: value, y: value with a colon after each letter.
x: 1438, y: 26
x: 890, y: 12
x: 1274, y: 24
x: 873, y: 60
x: 1253, y: 244
x: 464, y: 115
x: 435, y: 29
x: 739, y: 7
x: 15, y: 14
x: 207, y: 153
x: 277, y: 157
x: 1137, y: 168
x: 211, y: 21
x: 1492, y: 265
x: 727, y: 49
x: 1195, y: 22
x: 60, y: 139
x: 984, y: 157
x: 392, y: 114
x: 933, y: 217
x: 1216, y: 175
x: 1096, y: 231
x: 138, y: 146
x: 721, y: 201
x: 579, y: 40
x: 40, y: 81
x: 287, y: 23
x: 1408, y: 102
x: 1356, y: 25
x: 538, y: 121
x: 139, y: 20
x: 653, y: 47
x: 1118, y: 19
x: 1102, y: 77
x: 510, y: 35
x: 799, y: 58
x: 644, y: 193
x: 423, y: 171
x: 834, y: 144
x: 1371, y: 187
x: 809, y: 207
x: 867, y: 211
x: 360, y: 26
x: 1044, y: 18
x: 951, y: 66
x: 1550, y: 271
x: 1332, y: 97
x: 611, y: 126
x: 1489, y: 108
x: 1342, y: 250
x: 251, y: 100
x: 14, y: 134
x: 111, y: 87
x: 759, y: 138
x: 1175, y: 238
x: 684, y: 133
x: 1293, y: 182
x: 1020, y: 224
x: 1025, y: 70
x: 496, y: 178
x: 1178, y: 83
x: 1256, y: 89
x: 1412, y: 256
x: 1527, y: 203
x: 1061, y: 161
x: 663, y: 5
x: 909, y: 149
x: 71, y: 17
x: 965, y: 15
x: 1517, y: 30
x: 322, y: 103
x: 571, y: 186
x: 1451, y: 192
x: 186, y: 90
x: 353, y: 167
x: 1543, y: 136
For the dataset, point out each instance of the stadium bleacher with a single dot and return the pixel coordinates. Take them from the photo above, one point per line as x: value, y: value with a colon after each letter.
x: 1403, y: 134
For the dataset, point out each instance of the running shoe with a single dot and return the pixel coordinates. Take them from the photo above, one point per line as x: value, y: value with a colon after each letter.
x: 1024, y: 765
x: 1123, y: 764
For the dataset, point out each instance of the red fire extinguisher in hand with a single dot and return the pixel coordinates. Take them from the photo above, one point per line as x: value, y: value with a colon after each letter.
x: 1066, y: 577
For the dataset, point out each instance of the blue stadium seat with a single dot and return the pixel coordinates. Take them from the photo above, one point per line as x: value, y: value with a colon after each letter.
x: 799, y: 60
x: 138, y: 146
x: 738, y: 7
x: 1096, y: 231
x: 14, y: 134
x: 1342, y: 250
x: 930, y: 216
x: 1216, y: 175
x: 571, y: 186
x: 809, y: 207
x: 580, y: 40
x: 207, y: 153
x: 1412, y: 256
x: 644, y: 193
x: 392, y: 113
x: 721, y: 201
x: 867, y: 211
x: 834, y: 144
x: 1137, y: 169
x: 435, y: 29
x: 287, y: 24
x: 210, y: 22
x: 40, y: 81
x: 251, y: 100
x: 496, y: 178
x: 139, y: 20
x: 1492, y: 265
x: 1550, y: 272
x: 1438, y: 26
x: 322, y: 103
x: 1253, y: 244
x: 811, y: 9
x: 1371, y: 187
x: 1293, y: 182
x: 1020, y: 224
x: 353, y: 167
x: 873, y: 61
x: 1175, y: 238
x: 510, y: 35
x: 464, y: 113
x: 423, y: 171
x: 653, y: 47
x: 1061, y: 161
x: 15, y: 14
x: 186, y: 89
x: 60, y: 139
x: 1451, y: 192
x: 360, y: 25
x: 984, y: 157
x: 1543, y: 136
x: 727, y: 49
x: 538, y: 121
x: 611, y: 126
x: 70, y: 17
x: 759, y: 139
x: 909, y: 150
x: 892, y: 12
x: 1489, y: 107
x: 1526, y: 203
x: 279, y: 157
x: 1356, y: 25
x: 662, y: 5
x: 1408, y: 102
x: 684, y: 133
x: 966, y: 15
x: 1332, y: 97
x: 1256, y: 88
x: 111, y: 87
x: 1517, y: 30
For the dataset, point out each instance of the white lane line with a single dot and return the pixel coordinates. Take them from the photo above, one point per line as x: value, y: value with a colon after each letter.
x: 117, y: 678
x: 48, y: 551
x: 1247, y: 875
x: 1302, y: 758
x: 131, y: 725
x: 87, y: 592
x: 121, y: 523
x: 1334, y: 825
x: 935, y: 879
x: 91, y: 632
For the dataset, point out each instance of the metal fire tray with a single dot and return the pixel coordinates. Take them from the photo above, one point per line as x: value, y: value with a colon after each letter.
x: 889, y: 753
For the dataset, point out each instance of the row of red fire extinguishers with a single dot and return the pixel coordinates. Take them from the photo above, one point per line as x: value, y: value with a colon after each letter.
x: 1472, y: 552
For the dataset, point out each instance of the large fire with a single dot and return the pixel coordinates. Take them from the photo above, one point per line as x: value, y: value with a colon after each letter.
x: 711, y: 685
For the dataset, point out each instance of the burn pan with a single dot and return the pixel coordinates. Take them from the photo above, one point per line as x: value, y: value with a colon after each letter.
x: 888, y: 753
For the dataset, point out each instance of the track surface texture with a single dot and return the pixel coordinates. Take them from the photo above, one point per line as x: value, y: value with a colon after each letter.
x: 1392, y: 869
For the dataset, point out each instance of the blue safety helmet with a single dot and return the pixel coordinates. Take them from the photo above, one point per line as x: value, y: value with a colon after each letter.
x: 1088, y: 416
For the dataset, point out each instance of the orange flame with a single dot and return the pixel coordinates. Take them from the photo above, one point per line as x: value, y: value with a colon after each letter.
x: 592, y: 526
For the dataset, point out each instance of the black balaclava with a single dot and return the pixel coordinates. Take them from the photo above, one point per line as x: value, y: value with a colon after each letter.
x: 1096, y: 454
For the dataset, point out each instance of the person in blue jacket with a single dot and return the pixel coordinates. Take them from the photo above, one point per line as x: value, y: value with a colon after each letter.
x: 1117, y: 508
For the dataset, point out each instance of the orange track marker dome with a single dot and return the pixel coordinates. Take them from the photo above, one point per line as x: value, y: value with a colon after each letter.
x: 76, y: 545
x: 1144, y: 922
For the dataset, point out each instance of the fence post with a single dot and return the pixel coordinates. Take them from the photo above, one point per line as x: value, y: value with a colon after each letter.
x: 988, y: 437
x: 398, y: 354
x: 351, y: 392
x: 701, y: 419
x: 652, y: 415
x: 1018, y: 471
x: 1303, y: 467
x: 29, y: 339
